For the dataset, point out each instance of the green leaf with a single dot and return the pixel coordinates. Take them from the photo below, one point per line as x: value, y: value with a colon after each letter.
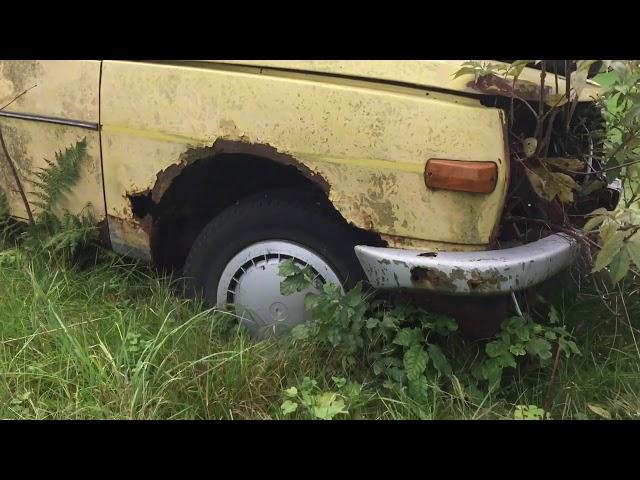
x: 293, y: 284
x: 339, y: 381
x: 328, y: 405
x: 312, y: 301
x: 517, y: 350
x: 443, y: 324
x: 288, y: 268
x: 372, y: 323
x: 594, y: 222
x: 539, y: 347
x: 607, y: 230
x: 397, y: 375
x: 300, y: 332
x: 600, y: 411
x: 288, y: 407
x: 495, y: 349
x: 633, y: 249
x: 517, y: 67
x: 408, y: 337
x: 354, y: 297
x: 291, y: 392
x: 529, y: 412
x: 609, y: 250
x: 419, y: 388
x: 619, y: 266
x: 439, y: 360
x: 569, y: 346
x: 492, y: 372
x: 415, y: 362
x: 464, y: 71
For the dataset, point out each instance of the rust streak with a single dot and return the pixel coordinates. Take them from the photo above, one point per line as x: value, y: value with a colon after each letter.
x: 432, y: 278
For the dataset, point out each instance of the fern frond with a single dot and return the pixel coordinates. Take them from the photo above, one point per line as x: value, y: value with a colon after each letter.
x: 58, y: 177
x: 72, y: 232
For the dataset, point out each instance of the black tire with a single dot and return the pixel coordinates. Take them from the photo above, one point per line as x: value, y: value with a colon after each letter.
x: 295, y: 215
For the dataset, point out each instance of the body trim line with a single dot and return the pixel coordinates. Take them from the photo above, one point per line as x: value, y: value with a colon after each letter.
x: 47, y: 119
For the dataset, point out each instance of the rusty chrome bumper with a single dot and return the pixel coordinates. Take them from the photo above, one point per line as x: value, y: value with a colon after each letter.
x: 490, y: 272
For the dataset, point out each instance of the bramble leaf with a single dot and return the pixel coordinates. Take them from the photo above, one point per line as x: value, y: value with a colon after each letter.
x: 415, y: 362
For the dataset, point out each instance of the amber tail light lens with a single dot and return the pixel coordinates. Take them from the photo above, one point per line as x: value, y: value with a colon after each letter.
x: 461, y: 175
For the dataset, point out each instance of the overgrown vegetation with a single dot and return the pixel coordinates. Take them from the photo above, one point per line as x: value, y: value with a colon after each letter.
x: 403, y: 344
x: 406, y: 348
x: 107, y: 338
x: 54, y: 229
x: 110, y: 339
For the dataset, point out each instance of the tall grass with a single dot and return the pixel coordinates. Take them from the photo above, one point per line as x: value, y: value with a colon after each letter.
x: 112, y: 340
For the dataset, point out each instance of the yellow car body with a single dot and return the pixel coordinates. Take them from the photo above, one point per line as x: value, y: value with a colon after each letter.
x: 361, y: 130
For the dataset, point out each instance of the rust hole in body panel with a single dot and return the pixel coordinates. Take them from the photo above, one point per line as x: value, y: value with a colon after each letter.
x: 165, y: 178
x: 142, y: 207
x: 188, y: 194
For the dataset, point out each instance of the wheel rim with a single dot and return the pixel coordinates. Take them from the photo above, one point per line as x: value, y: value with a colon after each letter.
x: 251, y: 282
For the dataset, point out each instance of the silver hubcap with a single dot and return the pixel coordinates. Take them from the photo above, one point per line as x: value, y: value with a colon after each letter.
x: 251, y: 281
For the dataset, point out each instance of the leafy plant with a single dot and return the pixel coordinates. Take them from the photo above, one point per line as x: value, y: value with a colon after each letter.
x: 530, y: 412
x: 520, y: 337
x: 403, y: 344
x: 574, y: 172
x: 617, y: 231
x: 320, y: 404
x: 57, y: 232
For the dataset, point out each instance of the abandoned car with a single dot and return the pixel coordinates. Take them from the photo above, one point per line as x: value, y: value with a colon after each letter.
x: 394, y: 172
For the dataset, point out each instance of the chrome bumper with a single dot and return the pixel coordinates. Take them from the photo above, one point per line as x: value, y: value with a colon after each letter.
x: 489, y: 272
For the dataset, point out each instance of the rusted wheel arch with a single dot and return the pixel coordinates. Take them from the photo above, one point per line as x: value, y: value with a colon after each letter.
x: 187, y: 195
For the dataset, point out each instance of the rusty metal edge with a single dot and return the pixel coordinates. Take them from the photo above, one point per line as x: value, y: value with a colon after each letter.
x: 490, y: 272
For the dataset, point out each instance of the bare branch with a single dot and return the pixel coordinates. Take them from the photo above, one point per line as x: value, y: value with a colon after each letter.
x: 16, y: 98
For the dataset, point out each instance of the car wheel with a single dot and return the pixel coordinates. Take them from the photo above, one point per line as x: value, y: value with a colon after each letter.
x: 236, y: 258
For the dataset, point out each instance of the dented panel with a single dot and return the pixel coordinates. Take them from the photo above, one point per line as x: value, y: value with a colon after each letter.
x: 60, y: 93
x: 366, y: 147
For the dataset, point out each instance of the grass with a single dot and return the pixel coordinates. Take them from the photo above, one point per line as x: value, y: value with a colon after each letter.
x: 109, y: 339
x: 112, y: 340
